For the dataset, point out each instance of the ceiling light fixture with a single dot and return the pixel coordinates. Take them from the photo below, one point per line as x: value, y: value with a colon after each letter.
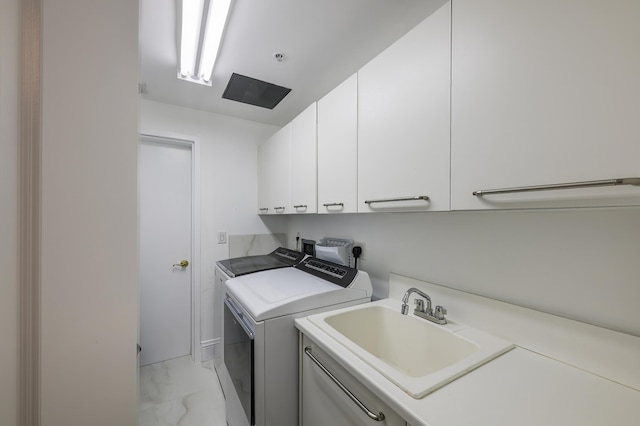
x: 196, y: 15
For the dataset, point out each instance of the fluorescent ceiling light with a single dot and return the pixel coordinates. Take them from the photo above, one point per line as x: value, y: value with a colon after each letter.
x: 191, y: 20
x: 218, y: 10
x: 192, y: 24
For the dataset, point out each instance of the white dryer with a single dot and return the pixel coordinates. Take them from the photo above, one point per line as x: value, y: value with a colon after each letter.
x: 261, y: 341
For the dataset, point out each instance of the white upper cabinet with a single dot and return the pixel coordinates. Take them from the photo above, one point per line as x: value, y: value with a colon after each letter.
x: 304, y: 165
x: 338, y: 149
x: 404, y: 121
x: 544, y: 93
x: 264, y: 178
x: 281, y: 176
x: 274, y: 173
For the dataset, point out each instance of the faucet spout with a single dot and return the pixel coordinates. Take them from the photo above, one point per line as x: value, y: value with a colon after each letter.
x: 420, y: 310
x: 405, y: 300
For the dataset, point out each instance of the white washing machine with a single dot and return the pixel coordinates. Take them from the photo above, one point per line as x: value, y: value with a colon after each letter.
x: 261, y: 341
x: 229, y: 268
x: 279, y: 258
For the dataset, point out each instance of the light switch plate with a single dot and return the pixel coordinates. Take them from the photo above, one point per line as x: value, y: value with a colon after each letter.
x: 222, y: 237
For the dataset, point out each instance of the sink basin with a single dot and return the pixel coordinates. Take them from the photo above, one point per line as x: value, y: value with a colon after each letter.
x: 415, y: 354
x: 413, y: 347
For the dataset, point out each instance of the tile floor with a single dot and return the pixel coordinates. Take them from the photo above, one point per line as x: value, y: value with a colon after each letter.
x: 179, y: 392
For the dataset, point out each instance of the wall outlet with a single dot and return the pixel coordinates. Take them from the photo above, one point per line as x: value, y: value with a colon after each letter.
x: 363, y: 255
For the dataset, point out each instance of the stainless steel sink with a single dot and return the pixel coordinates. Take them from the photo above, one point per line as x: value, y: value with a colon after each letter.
x: 415, y: 354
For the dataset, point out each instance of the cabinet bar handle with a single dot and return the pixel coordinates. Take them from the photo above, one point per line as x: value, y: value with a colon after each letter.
x: 264, y: 209
x: 373, y: 416
x: 390, y: 200
x: 299, y: 206
x: 279, y: 208
x: 586, y: 184
x: 333, y: 204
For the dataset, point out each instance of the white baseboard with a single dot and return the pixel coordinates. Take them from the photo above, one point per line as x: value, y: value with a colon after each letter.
x: 209, y: 349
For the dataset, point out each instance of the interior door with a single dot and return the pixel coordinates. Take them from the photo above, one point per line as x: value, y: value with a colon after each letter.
x: 164, y: 186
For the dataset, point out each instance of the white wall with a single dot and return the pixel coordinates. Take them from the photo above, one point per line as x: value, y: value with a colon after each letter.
x: 581, y: 264
x: 228, y: 169
x: 9, y: 63
x: 89, y: 247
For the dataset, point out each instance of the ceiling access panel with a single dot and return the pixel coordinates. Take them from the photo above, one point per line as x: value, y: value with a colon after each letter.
x: 254, y: 92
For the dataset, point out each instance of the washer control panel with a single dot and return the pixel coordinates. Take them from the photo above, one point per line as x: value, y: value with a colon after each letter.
x: 332, y: 272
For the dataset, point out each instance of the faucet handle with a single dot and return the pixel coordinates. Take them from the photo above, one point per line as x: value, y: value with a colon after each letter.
x: 440, y: 312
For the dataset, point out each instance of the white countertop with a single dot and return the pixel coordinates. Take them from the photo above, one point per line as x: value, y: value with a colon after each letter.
x: 521, y: 387
x: 524, y: 388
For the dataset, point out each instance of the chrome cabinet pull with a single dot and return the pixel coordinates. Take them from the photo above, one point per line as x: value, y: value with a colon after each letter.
x: 300, y: 206
x: 334, y: 205
x: 390, y: 200
x: 373, y: 416
x: 264, y: 209
x: 279, y: 208
x: 586, y: 184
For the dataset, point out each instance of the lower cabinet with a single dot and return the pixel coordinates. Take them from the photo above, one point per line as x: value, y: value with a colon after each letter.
x: 323, y: 402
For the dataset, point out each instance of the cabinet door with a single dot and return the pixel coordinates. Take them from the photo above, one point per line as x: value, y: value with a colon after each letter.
x: 338, y: 149
x: 281, y: 171
x: 274, y: 173
x: 544, y: 92
x: 264, y: 178
x: 404, y: 122
x: 304, y: 164
x: 324, y: 403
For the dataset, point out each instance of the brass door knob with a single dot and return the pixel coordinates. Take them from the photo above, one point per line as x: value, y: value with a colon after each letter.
x: 182, y: 264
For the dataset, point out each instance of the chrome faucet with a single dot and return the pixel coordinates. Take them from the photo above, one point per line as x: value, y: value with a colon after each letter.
x: 419, y: 303
x: 427, y: 313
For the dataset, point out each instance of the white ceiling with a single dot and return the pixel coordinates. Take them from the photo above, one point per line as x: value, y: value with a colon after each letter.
x: 325, y: 41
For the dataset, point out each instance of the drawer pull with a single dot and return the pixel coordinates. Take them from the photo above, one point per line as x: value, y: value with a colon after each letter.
x: 571, y: 185
x: 300, y: 206
x: 264, y: 209
x: 391, y: 200
x: 334, y: 205
x: 279, y: 208
x: 373, y: 416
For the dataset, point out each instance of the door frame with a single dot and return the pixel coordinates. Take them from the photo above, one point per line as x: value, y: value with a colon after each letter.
x: 193, y: 144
